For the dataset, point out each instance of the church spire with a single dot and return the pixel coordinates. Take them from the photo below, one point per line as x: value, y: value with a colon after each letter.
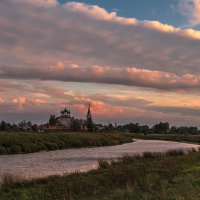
x: 89, y: 112
x: 89, y: 119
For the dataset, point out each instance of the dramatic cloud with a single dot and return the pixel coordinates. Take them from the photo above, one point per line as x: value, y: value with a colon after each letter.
x: 44, y: 44
x: 97, y: 74
x: 77, y: 42
x: 36, y: 100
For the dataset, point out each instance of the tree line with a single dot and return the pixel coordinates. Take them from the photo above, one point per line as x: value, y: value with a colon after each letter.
x: 22, y: 126
x: 158, y: 128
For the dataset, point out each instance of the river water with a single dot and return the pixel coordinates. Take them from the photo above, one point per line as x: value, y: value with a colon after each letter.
x: 64, y: 161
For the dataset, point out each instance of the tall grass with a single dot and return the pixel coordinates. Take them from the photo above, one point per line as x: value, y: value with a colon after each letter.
x: 169, y: 137
x: 152, y: 176
x: 12, y: 143
x: 9, y: 179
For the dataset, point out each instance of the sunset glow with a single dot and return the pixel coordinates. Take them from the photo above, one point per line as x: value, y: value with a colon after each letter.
x: 129, y: 67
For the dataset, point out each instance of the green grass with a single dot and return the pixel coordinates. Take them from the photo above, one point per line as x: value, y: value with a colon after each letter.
x: 154, y: 176
x: 169, y: 137
x: 13, y: 143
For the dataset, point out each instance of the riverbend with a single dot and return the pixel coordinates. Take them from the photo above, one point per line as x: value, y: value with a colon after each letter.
x: 43, y: 164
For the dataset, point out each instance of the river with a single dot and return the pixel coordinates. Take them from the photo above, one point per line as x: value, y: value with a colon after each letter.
x: 42, y: 164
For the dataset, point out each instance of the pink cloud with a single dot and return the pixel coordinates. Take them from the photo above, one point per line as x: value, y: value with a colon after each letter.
x: 101, y: 74
x: 24, y: 100
x: 2, y: 100
x: 46, y: 45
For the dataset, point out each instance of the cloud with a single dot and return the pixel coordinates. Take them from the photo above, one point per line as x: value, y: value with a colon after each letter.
x: 38, y: 3
x: 190, y: 9
x: 84, y: 43
x: 45, y: 45
x: 24, y: 100
x: 2, y: 100
x: 36, y: 100
x: 102, y: 74
x: 187, y: 111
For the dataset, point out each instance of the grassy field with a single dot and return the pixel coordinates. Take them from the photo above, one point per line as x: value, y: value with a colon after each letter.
x: 153, y: 176
x: 169, y: 137
x: 12, y: 143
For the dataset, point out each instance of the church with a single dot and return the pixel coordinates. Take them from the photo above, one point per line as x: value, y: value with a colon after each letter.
x: 65, y: 119
x: 65, y: 122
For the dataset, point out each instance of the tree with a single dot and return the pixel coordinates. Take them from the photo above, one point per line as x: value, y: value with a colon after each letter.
x: 34, y: 127
x: 52, y: 120
x: 173, y: 129
x: 193, y: 130
x: 3, y: 126
x: 187, y: 130
x: 29, y: 123
x: 76, y: 125
x: 22, y: 124
x: 144, y: 129
x: 132, y: 128
x: 161, y: 127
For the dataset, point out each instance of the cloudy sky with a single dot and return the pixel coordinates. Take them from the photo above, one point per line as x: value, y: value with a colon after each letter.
x: 133, y: 60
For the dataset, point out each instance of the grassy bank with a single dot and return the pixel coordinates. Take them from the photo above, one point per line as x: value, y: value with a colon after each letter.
x: 170, y: 176
x: 169, y: 137
x: 12, y: 143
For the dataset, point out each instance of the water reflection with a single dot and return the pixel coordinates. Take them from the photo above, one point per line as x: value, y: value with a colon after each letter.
x: 64, y: 161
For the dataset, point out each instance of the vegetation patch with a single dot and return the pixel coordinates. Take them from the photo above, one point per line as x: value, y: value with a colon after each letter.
x: 12, y: 143
x: 169, y: 137
x: 153, y: 176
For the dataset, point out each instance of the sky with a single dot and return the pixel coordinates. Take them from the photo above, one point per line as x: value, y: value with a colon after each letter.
x: 142, y: 10
x: 133, y: 60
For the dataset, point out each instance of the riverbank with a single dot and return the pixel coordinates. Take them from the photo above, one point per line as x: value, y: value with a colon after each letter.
x: 195, y: 139
x: 44, y: 164
x: 15, y: 143
x: 172, y: 175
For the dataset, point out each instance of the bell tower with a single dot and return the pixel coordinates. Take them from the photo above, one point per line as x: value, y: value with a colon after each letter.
x: 89, y: 119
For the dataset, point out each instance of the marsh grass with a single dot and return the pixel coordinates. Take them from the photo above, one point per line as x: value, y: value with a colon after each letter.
x: 169, y: 137
x: 13, y: 143
x: 152, y: 176
x: 9, y: 179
